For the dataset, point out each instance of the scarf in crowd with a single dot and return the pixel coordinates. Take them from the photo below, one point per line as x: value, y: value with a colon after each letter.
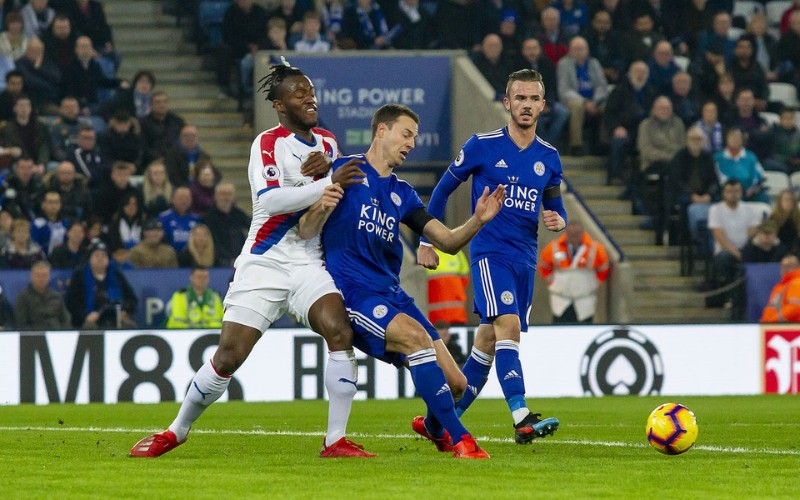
x: 367, y: 26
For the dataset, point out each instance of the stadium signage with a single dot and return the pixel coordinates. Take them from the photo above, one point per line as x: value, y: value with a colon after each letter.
x: 148, y: 366
x: 781, y: 360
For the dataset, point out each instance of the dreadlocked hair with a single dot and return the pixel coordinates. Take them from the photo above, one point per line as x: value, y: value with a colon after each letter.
x: 278, y: 73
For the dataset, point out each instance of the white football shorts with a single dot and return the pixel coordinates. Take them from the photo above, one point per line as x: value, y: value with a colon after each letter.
x: 269, y: 289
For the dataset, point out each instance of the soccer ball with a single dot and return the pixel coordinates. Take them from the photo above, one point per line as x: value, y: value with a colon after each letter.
x: 671, y: 429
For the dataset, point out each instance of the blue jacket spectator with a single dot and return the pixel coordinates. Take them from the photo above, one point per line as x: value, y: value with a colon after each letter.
x: 179, y: 221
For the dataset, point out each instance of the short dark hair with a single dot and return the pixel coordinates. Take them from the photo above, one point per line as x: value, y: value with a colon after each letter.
x: 524, y: 75
x: 14, y: 72
x: 732, y: 182
x: 389, y: 113
x: 144, y: 73
x: 271, y: 83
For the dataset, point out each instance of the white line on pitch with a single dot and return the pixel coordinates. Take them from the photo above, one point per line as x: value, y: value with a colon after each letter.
x: 259, y: 432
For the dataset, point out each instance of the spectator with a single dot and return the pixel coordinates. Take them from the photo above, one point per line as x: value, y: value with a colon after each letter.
x: 24, y: 189
x: 309, y: 39
x: 199, y: 251
x: 42, y: 77
x: 450, y: 341
x: 605, y: 43
x: 416, y: 28
x: 59, y: 43
x: 151, y: 252
x: 110, y: 196
x: 228, y: 224
x: 711, y: 128
x: 6, y: 312
x: 125, y: 230
x: 766, y: 46
x: 620, y: 13
x: 242, y: 27
x: 627, y: 106
x: 202, y: 187
x: 195, y: 306
x: 457, y: 24
x: 20, y: 252
x: 160, y: 128
x: 291, y: 12
x: 574, y: 16
x: 554, y: 115
x: 274, y: 40
x: 364, y: 27
x: 786, y: 216
x: 73, y: 251
x: 178, y: 221
x: 731, y: 224
x: 28, y: 133
x: 510, y: 35
x: 582, y: 87
x: 786, y: 17
x: 788, y: 51
x: 642, y: 39
x: 693, y: 182
x: 747, y: 73
x: 709, y: 70
x: 662, y: 67
x: 49, y: 230
x: 736, y: 162
x: 574, y: 266
x: 684, y: 103
x: 554, y: 42
x: 88, y: 159
x: 491, y: 64
x: 786, y: 142
x: 784, y: 300
x: 181, y: 158
x: 447, y: 289
x: 99, y: 296
x: 122, y: 141
x: 764, y: 246
x: 37, y: 18
x: 13, y: 42
x: 6, y: 221
x: 332, y: 12
x: 84, y: 78
x: 156, y: 188
x: 75, y: 197
x: 14, y: 87
x: 89, y: 19
x: 693, y: 17
x: 135, y: 98
x: 39, y: 307
x: 724, y: 99
x: 717, y: 36
x: 64, y: 129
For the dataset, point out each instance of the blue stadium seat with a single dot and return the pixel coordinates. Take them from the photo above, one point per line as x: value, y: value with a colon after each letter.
x: 209, y: 22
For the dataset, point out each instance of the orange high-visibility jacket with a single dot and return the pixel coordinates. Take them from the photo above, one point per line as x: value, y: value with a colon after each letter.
x: 574, y: 280
x: 447, y: 286
x: 784, y: 301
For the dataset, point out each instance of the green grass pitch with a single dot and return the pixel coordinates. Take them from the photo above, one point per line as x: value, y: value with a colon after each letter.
x: 747, y: 448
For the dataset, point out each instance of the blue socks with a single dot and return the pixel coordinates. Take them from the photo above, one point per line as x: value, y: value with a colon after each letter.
x: 509, y: 373
x: 432, y: 387
x: 476, y: 369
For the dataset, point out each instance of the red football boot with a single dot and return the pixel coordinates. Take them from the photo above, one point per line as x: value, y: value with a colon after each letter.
x: 468, y: 448
x: 444, y: 443
x: 155, y: 445
x: 344, y: 448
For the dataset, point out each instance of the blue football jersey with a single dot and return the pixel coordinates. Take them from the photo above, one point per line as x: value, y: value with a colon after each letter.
x: 361, y: 239
x: 492, y: 158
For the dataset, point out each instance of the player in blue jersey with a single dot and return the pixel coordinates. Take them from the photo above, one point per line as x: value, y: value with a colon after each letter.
x: 503, y: 254
x: 363, y: 253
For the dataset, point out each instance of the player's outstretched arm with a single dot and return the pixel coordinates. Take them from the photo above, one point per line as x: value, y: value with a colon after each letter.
x: 310, y: 224
x: 426, y: 257
x: 452, y: 240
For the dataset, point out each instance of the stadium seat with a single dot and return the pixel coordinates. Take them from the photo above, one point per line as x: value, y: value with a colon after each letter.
x: 682, y: 62
x: 775, y: 10
x: 746, y: 9
x: 770, y: 118
x: 775, y: 182
x: 209, y: 22
x: 763, y: 209
x: 784, y: 93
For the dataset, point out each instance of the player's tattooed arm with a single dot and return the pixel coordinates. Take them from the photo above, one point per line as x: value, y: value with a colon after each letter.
x: 452, y: 240
x: 311, y: 222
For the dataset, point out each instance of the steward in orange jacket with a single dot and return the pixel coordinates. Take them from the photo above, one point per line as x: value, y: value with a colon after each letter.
x: 447, y: 285
x: 784, y: 301
x: 574, y: 265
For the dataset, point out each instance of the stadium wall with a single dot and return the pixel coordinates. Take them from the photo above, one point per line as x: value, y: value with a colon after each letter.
x: 573, y: 361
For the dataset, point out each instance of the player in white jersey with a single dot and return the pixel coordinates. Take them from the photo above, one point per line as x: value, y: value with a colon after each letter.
x: 278, y: 272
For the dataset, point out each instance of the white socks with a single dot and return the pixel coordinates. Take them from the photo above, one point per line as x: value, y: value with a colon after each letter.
x: 207, y: 386
x: 341, y: 377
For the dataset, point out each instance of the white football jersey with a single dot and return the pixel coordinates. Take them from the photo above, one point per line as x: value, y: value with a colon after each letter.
x: 275, y: 160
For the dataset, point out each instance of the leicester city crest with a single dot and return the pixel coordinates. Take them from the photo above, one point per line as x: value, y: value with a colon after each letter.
x: 507, y: 298
x: 380, y: 311
x: 538, y: 167
x: 396, y: 199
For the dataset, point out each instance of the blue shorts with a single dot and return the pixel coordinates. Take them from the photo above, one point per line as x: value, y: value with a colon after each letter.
x: 370, y: 314
x: 502, y: 287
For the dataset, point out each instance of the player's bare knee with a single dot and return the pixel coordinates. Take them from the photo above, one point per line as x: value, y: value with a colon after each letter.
x: 228, y: 359
x: 418, y: 339
x: 338, y: 335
